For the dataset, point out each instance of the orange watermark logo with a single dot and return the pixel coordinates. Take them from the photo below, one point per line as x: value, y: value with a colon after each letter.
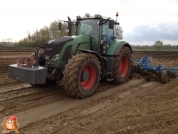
x: 10, y: 124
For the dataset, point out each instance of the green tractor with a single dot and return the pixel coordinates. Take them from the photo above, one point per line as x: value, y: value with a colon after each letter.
x: 80, y: 61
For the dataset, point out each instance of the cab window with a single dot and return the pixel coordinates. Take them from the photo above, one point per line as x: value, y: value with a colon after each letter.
x: 107, y: 34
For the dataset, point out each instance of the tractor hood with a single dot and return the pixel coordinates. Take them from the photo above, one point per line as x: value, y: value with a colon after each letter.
x: 53, y: 47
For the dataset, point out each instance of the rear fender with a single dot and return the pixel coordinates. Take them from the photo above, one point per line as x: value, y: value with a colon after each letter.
x: 115, y: 47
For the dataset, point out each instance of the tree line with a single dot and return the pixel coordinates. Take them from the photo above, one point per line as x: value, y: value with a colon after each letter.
x: 39, y: 37
x: 157, y: 46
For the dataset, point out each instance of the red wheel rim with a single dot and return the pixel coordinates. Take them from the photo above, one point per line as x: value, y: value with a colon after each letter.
x: 92, y: 77
x: 123, y: 66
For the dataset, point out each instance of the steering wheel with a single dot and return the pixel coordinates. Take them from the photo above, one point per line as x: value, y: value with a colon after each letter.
x: 104, y: 38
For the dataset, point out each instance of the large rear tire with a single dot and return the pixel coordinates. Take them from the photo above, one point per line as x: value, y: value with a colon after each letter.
x: 122, y: 66
x: 81, y: 75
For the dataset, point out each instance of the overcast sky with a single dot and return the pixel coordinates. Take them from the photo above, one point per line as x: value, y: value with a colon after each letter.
x: 17, y: 17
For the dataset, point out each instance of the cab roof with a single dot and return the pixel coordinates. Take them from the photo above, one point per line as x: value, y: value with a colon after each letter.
x: 96, y: 16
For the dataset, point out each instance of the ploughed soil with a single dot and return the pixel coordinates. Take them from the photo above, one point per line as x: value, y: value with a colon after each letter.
x: 141, y: 105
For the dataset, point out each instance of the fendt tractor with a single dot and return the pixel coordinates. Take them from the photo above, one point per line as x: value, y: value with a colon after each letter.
x: 79, y: 62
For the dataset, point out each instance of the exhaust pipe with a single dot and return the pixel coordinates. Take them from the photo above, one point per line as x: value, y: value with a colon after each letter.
x: 36, y: 56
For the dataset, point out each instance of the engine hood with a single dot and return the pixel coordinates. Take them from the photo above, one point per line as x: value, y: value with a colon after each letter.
x: 53, y: 47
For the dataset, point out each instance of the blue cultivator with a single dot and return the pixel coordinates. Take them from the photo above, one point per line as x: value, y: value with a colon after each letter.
x: 145, y: 65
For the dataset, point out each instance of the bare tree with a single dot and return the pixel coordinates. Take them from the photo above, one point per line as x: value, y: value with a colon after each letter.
x: 158, y: 45
x: 119, y: 32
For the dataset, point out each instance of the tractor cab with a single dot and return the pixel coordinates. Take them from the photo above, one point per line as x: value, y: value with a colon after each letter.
x: 101, y: 29
x: 89, y: 27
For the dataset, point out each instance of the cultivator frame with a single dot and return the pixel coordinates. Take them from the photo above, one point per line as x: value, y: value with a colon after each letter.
x: 145, y: 65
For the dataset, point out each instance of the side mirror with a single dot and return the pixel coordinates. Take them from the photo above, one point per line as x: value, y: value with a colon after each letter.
x: 111, y: 24
x: 60, y: 25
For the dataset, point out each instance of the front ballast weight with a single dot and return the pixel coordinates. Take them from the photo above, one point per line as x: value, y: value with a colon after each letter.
x: 145, y: 65
x: 33, y: 74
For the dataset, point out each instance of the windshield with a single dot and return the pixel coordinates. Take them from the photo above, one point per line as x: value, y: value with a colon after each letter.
x: 89, y: 26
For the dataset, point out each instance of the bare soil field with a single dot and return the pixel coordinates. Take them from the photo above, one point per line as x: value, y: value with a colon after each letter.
x: 140, y: 105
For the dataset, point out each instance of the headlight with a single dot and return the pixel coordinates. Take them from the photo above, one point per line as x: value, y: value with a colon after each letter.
x: 47, y: 57
x: 56, y: 56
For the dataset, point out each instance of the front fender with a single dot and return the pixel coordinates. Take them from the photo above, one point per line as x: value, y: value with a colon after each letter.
x: 115, y: 46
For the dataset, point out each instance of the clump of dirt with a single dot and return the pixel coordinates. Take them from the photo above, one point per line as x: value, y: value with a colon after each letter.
x: 148, y: 76
x: 135, y: 75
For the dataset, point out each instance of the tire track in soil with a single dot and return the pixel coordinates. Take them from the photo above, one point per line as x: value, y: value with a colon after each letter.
x: 5, y: 89
x: 113, y: 105
x: 154, y: 113
x: 19, y: 98
x: 71, y: 106
x: 27, y: 98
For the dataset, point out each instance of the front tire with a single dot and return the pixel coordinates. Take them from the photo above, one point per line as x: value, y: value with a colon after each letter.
x: 122, y: 66
x: 81, y: 75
